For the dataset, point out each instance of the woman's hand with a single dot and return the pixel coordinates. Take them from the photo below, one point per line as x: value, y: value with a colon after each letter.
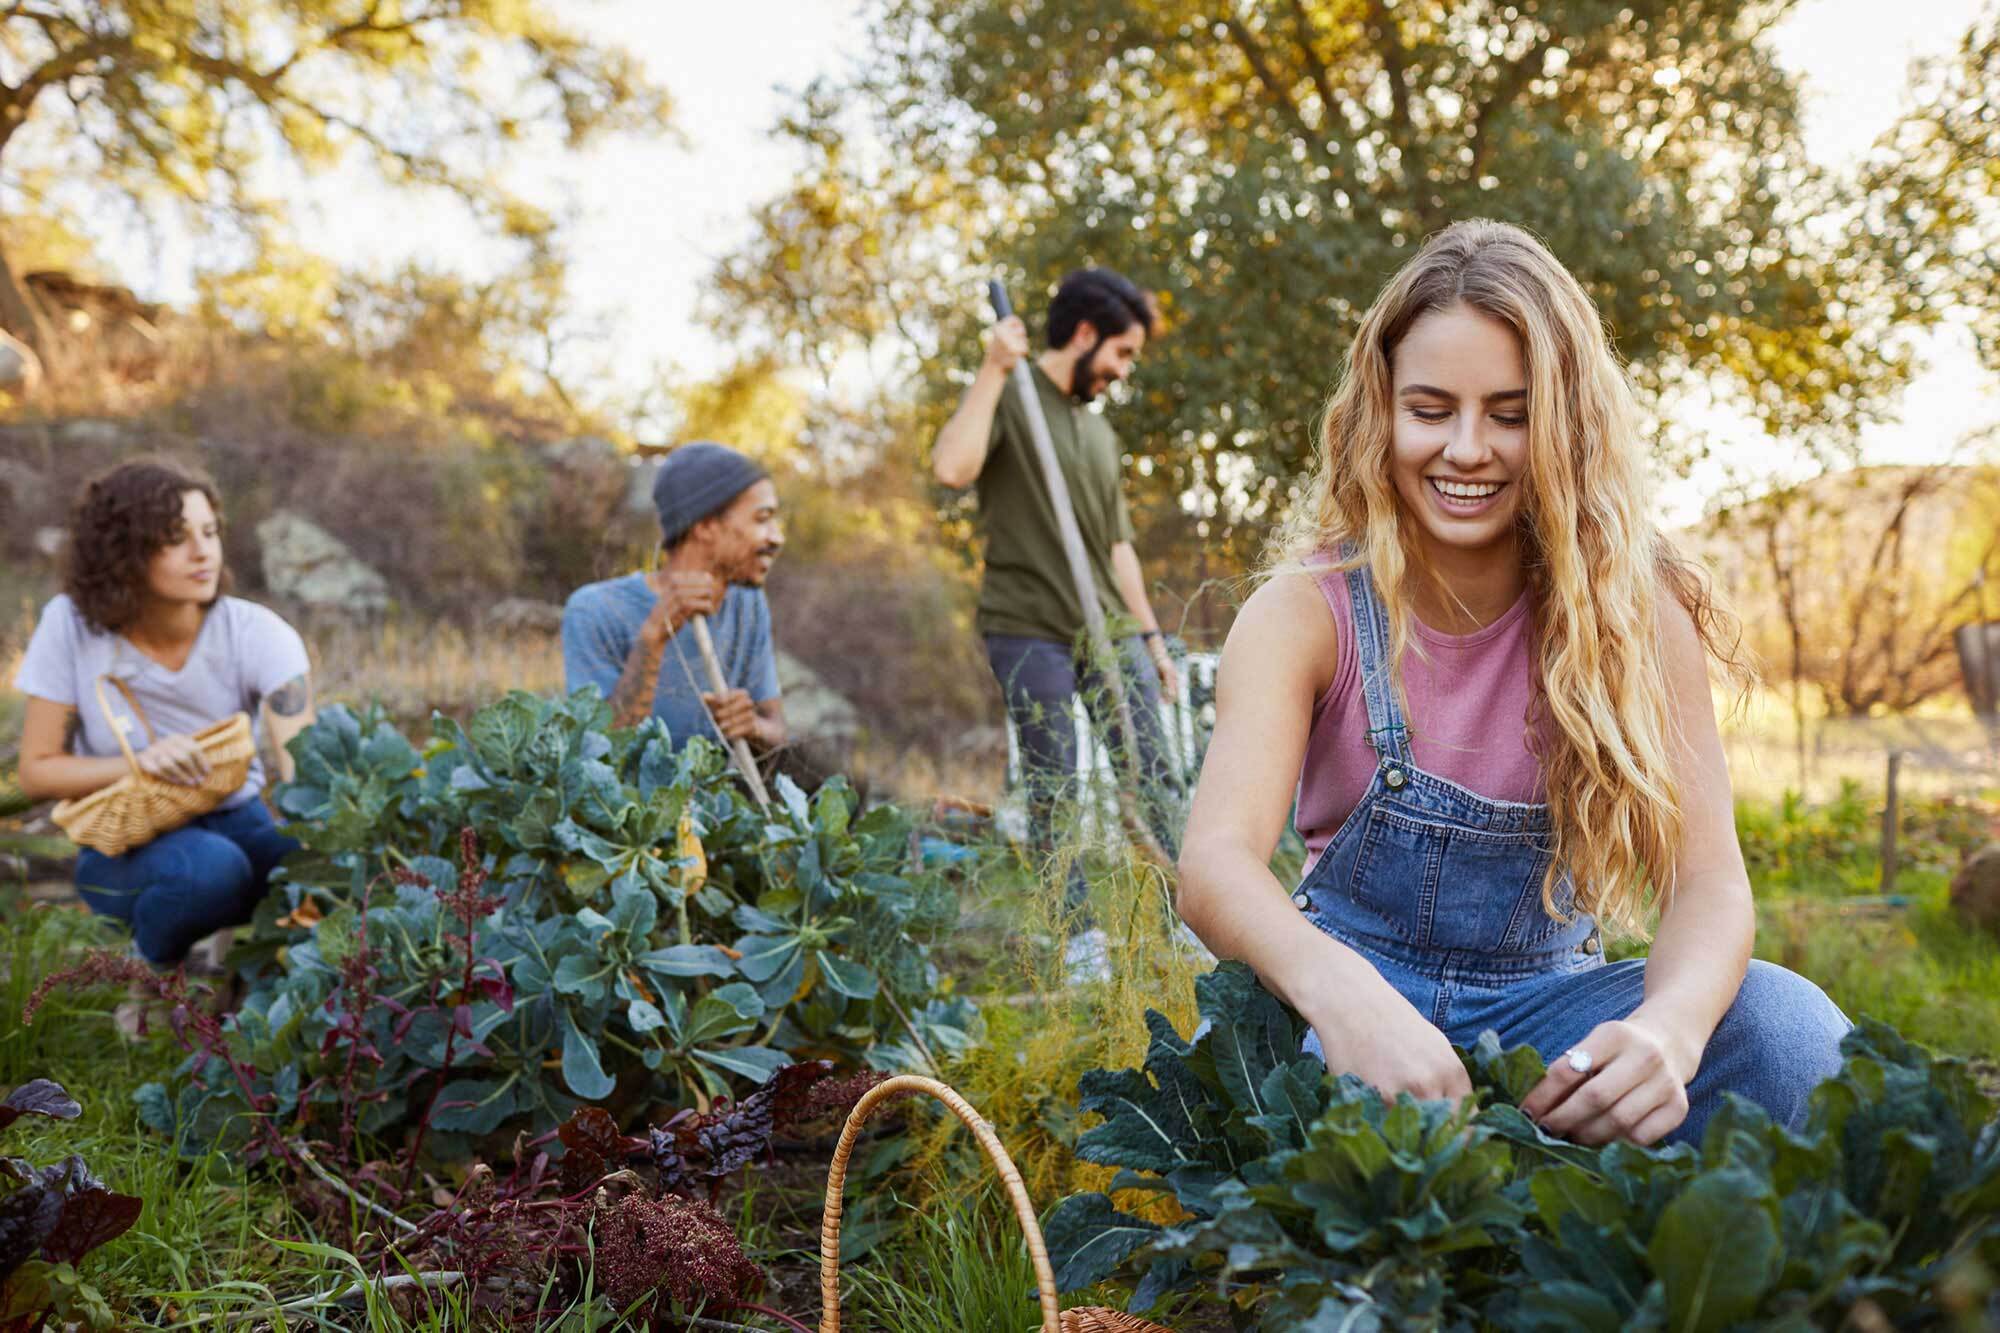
x: 1381, y: 1038
x: 176, y: 759
x: 1629, y: 1089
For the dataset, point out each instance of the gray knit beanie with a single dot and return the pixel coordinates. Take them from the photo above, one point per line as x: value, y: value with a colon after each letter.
x: 697, y: 480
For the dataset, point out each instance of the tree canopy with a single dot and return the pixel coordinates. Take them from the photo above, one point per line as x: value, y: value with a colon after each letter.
x: 1266, y: 167
x: 195, y: 105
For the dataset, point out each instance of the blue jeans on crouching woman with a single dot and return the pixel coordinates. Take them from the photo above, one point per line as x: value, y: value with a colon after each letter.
x: 1441, y: 890
x: 185, y: 885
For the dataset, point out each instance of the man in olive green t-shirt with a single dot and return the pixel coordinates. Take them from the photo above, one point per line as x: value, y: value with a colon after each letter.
x: 1028, y: 607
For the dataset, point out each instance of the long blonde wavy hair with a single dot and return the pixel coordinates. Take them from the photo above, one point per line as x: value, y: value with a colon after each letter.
x: 1594, y: 560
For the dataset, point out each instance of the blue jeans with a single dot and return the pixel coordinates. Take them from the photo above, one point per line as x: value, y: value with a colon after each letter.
x: 185, y: 885
x: 1441, y: 890
x: 1038, y: 678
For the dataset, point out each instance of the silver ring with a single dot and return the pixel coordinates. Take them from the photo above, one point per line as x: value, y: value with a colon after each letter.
x: 1579, y: 1060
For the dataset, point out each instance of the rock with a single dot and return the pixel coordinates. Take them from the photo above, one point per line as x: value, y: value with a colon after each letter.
x: 305, y: 563
x: 583, y: 451
x: 20, y: 368
x: 639, y: 493
x: 1975, y: 889
x: 90, y: 432
x: 813, y: 709
x: 523, y: 615
x: 25, y: 494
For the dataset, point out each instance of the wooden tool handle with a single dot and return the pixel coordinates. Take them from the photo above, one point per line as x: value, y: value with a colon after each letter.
x: 739, y: 748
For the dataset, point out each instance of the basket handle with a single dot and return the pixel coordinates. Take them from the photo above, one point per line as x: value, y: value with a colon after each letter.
x: 120, y: 725
x: 1010, y: 1176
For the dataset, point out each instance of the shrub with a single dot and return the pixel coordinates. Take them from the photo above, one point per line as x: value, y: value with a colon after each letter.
x: 622, y: 925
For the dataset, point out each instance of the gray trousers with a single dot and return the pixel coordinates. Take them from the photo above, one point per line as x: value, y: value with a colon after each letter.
x: 1038, y: 678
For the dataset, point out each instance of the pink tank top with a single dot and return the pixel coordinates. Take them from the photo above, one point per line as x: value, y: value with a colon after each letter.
x: 1468, y: 717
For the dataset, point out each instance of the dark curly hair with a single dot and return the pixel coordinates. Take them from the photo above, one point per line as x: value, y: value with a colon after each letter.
x: 122, y: 517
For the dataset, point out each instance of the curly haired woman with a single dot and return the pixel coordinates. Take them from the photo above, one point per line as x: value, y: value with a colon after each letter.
x: 144, y: 602
x: 1484, y: 671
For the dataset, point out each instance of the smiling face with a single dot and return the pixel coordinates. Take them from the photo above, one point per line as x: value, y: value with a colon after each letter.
x: 189, y: 568
x: 1460, y: 445
x: 747, y: 536
x: 1111, y: 363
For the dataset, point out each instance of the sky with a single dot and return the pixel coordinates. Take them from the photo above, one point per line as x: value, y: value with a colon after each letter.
x: 650, y: 219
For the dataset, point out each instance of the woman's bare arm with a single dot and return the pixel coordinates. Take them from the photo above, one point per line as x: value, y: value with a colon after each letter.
x: 1702, y: 947
x: 1278, y: 660
x: 1636, y: 1085
x: 288, y: 710
x: 48, y: 769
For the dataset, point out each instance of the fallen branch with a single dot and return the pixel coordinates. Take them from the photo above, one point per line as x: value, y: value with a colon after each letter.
x: 922, y: 1049
x: 764, y: 1310
x: 384, y: 1285
x: 328, y: 1178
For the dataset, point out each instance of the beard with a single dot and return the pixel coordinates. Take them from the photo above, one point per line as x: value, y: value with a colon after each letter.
x: 751, y: 571
x: 1085, y: 383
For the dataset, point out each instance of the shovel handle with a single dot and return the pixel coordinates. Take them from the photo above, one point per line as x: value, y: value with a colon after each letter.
x: 997, y: 294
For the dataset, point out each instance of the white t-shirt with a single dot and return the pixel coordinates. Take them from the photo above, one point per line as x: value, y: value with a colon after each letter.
x: 241, y: 654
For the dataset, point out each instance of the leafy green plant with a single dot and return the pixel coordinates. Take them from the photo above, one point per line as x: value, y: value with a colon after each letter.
x: 1834, y: 846
x: 622, y: 925
x: 1310, y: 1199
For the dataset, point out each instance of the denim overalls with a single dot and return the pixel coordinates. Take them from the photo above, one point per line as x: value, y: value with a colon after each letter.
x: 1440, y: 890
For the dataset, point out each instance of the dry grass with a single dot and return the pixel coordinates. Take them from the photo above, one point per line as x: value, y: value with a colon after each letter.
x: 1044, y: 1033
x: 412, y: 669
x: 1946, y: 751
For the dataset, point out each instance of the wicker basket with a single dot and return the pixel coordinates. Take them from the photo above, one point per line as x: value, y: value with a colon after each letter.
x: 140, y: 807
x: 1083, y: 1319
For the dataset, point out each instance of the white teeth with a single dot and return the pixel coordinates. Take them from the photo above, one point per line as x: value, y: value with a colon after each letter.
x: 1459, y: 490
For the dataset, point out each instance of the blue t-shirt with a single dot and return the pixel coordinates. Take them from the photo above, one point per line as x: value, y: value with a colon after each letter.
x: 601, y: 623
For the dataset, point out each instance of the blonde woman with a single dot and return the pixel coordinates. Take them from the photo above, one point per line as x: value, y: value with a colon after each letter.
x: 1484, y: 672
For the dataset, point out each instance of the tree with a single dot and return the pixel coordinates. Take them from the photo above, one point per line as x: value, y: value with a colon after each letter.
x: 1267, y: 169
x: 1851, y: 584
x: 1931, y: 189
x: 191, y: 105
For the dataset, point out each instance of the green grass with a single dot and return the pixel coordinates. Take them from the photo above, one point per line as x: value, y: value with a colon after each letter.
x: 204, y: 1224
x: 962, y: 1265
x: 217, y: 1245
x: 1917, y: 967
x: 1905, y: 958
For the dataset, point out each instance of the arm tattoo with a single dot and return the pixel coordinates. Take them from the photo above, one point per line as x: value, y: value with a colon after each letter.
x: 291, y: 698
x: 632, y: 698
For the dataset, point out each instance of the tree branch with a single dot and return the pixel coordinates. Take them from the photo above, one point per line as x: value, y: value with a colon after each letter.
x: 1321, y: 77
x: 334, y: 39
x: 1512, y: 81
x: 1260, y: 66
x: 55, y: 69
x: 1381, y: 22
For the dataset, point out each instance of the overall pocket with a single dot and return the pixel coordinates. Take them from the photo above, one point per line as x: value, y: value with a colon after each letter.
x: 1442, y: 884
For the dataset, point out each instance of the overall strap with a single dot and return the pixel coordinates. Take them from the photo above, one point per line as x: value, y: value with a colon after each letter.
x: 1388, y: 732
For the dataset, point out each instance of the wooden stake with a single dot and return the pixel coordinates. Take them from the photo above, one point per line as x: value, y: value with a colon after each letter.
x: 1889, y: 820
